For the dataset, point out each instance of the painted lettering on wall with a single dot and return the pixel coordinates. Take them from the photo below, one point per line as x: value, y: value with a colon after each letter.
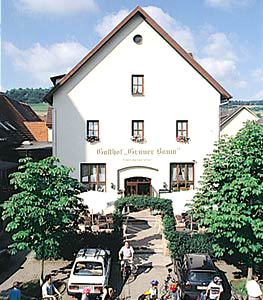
x: 136, y: 152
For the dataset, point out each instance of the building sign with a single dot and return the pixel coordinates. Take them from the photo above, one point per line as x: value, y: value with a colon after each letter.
x: 135, y: 152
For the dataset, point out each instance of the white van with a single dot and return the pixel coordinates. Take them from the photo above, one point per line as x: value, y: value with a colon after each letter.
x: 91, y: 269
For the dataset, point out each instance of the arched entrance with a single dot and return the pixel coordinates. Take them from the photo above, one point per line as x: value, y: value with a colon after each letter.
x: 138, y: 186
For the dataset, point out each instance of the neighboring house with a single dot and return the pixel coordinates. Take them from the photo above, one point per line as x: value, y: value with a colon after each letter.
x: 130, y: 116
x: 49, y: 123
x: 232, y: 120
x: 21, y: 135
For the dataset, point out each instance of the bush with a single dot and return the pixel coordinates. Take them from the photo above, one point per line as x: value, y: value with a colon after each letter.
x: 164, y: 206
x: 186, y: 242
x: 178, y: 242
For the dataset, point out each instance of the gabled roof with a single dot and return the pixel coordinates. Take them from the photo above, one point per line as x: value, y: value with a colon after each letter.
x: 12, y: 129
x: 138, y: 10
x: 228, y: 115
x: 25, y: 111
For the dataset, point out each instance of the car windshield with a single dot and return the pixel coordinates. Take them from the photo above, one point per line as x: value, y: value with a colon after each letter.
x: 89, y: 268
x: 201, y: 276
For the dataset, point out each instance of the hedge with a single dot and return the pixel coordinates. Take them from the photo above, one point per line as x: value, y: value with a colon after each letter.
x: 178, y: 242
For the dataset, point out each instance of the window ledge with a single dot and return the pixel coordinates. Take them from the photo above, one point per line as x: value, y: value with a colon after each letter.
x: 138, y: 95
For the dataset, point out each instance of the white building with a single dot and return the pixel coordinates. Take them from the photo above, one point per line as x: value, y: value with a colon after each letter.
x: 136, y: 116
x: 233, y: 120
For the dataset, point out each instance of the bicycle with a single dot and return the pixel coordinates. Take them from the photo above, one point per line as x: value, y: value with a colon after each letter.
x: 128, y: 270
x: 165, y: 289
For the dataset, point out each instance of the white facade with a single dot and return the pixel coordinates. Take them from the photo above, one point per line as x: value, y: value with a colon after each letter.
x: 101, y: 90
x: 236, y: 121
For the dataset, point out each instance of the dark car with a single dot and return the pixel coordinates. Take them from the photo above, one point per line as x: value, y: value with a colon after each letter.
x: 195, y: 272
x: 4, y: 257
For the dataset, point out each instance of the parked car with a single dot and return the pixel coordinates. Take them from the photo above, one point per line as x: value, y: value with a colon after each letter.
x: 91, y: 269
x: 195, y: 272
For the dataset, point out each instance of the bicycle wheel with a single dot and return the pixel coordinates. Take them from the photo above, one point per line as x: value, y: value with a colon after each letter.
x: 163, y: 290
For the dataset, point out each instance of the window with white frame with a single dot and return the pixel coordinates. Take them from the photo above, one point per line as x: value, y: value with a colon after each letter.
x: 137, y: 130
x: 182, y: 128
x: 181, y: 176
x: 92, y: 130
x: 93, y: 176
x: 137, y: 85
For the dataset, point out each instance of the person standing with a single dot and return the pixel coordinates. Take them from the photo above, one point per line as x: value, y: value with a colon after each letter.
x: 48, y: 288
x: 253, y: 289
x: 15, y: 293
x: 214, y: 289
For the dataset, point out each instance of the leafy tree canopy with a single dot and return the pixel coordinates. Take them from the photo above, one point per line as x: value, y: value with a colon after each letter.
x: 230, y: 201
x: 28, y: 95
x: 43, y: 209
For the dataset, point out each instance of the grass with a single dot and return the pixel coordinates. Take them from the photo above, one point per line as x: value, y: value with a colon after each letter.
x: 238, y: 286
x: 39, y: 108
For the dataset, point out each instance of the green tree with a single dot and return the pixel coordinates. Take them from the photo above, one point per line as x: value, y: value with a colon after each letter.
x: 43, y: 209
x: 28, y: 95
x: 229, y: 203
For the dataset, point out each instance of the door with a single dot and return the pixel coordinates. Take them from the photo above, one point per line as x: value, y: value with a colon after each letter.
x: 138, y: 186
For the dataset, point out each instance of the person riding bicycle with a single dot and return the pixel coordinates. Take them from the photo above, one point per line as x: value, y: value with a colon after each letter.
x: 154, y: 290
x: 172, y: 293
x: 145, y: 296
x: 126, y: 255
x: 107, y: 293
x: 48, y: 289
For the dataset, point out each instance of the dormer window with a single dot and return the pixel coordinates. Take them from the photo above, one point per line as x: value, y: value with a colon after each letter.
x: 137, y: 85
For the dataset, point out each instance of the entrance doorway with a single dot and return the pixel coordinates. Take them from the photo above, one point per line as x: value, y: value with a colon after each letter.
x: 138, y: 186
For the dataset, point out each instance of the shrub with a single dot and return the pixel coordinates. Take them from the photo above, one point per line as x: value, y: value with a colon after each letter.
x: 178, y: 242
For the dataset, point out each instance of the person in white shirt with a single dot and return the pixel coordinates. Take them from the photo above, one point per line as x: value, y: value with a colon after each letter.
x: 48, y: 289
x: 214, y: 289
x: 126, y: 254
x: 253, y: 289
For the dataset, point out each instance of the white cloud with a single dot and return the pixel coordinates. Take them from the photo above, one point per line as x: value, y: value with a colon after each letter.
x: 219, y: 68
x: 220, y: 60
x: 110, y: 21
x: 55, y: 7
x: 218, y: 46
x: 227, y: 3
x: 181, y: 33
x: 44, y: 62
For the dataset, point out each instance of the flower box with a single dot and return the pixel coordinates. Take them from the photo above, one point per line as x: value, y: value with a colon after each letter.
x: 182, y: 139
x: 137, y: 139
x: 92, y: 139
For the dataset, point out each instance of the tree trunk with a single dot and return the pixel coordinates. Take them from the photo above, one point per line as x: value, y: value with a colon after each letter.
x: 249, y: 273
x: 42, y: 266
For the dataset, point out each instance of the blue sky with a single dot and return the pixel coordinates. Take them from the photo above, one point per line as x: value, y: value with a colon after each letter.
x: 43, y: 38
